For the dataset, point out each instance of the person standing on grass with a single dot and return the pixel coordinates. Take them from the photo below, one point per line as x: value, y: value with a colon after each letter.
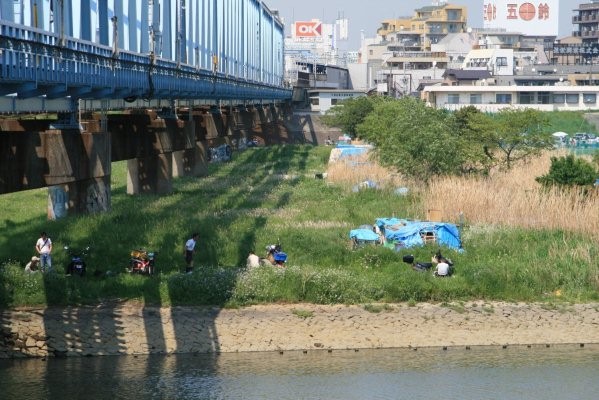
x: 44, y: 249
x: 189, y: 250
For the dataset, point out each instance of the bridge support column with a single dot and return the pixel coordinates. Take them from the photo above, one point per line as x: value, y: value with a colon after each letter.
x: 151, y: 174
x: 78, y: 171
x: 257, y: 115
x: 192, y: 160
x: 214, y: 124
x: 80, y: 197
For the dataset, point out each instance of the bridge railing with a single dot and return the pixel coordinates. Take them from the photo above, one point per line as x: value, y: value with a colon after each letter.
x: 37, y: 63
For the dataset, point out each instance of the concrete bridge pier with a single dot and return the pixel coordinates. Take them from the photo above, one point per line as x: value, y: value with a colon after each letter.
x: 243, y: 122
x: 147, y: 141
x: 150, y: 174
x: 191, y: 161
x: 79, y: 197
x: 78, y: 171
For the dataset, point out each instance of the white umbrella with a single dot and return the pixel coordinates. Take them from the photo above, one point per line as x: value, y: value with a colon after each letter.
x: 560, y: 134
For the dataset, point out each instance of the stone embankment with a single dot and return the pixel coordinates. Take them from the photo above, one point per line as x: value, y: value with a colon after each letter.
x: 135, y: 329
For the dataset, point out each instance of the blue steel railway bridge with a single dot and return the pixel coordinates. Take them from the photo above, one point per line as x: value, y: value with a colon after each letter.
x: 168, y: 85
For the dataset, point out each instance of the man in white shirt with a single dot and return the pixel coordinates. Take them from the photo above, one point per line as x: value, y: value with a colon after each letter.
x: 44, y: 249
x: 188, y: 252
x: 442, y: 269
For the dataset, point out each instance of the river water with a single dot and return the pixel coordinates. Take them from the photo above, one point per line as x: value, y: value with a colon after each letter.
x: 560, y: 373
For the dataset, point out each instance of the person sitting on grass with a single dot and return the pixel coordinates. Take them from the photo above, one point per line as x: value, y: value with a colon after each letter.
x: 252, y: 261
x: 442, y: 270
x: 33, y: 265
x: 443, y: 266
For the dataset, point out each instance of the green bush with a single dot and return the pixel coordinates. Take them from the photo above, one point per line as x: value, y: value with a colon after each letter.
x: 569, y: 171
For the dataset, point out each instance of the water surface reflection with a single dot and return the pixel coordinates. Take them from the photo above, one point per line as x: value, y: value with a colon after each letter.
x: 563, y: 373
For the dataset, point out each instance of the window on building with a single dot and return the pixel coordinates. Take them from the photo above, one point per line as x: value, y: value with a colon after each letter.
x: 315, y: 101
x: 501, y: 62
x: 476, y: 98
x: 559, y: 98
x: 526, y: 98
x: 503, y: 98
x: 589, y: 98
x: 453, y: 15
x: 544, y: 98
x: 453, y: 98
x: 572, y: 98
x: 334, y: 102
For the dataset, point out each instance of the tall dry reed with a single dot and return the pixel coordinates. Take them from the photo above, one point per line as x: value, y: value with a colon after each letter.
x: 356, y: 169
x: 514, y: 198
x: 504, y: 198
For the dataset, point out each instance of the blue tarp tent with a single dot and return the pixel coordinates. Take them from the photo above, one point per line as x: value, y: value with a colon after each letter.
x: 348, y: 150
x: 366, y: 235
x: 408, y: 233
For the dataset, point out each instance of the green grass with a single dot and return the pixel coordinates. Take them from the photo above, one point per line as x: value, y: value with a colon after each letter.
x: 265, y: 195
x: 569, y: 122
x: 300, y: 313
x: 377, y: 308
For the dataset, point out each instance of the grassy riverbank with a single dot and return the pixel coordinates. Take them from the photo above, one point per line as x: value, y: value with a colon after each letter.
x: 266, y: 194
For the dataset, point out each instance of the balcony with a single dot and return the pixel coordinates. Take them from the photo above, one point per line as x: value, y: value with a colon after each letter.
x: 589, y: 6
x: 437, y: 31
x: 585, y: 19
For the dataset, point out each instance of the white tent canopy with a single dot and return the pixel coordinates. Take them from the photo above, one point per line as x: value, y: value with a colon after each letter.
x: 560, y: 134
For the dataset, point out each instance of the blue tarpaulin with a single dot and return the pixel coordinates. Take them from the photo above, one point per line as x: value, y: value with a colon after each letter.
x: 351, y: 151
x: 408, y: 233
x: 364, y: 235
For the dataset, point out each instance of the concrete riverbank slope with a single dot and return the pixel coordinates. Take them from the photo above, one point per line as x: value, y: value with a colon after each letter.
x: 135, y: 329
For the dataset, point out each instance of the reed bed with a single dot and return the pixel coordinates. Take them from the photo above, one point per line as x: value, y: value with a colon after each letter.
x: 510, y: 198
x: 513, y: 198
x: 353, y: 170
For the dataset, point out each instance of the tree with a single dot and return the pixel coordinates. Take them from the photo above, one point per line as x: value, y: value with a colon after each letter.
x: 350, y: 113
x: 510, y: 135
x: 477, y: 160
x: 569, y: 171
x: 416, y: 140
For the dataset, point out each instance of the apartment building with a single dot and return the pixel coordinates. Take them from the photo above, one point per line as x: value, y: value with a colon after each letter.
x: 586, y: 18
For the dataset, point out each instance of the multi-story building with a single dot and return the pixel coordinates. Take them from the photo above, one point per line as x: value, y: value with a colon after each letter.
x: 435, y: 22
x: 427, y: 26
x: 587, y: 21
x: 391, y: 26
x: 489, y: 98
x: 314, y: 42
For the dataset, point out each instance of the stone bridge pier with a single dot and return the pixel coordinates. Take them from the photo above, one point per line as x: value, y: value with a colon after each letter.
x: 74, y: 162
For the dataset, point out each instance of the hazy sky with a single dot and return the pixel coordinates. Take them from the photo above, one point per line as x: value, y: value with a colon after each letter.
x: 367, y: 14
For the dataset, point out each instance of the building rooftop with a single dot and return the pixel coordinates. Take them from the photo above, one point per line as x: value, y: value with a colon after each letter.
x: 468, y: 74
x: 429, y: 8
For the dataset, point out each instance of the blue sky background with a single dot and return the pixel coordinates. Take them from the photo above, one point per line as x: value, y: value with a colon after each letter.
x: 367, y: 14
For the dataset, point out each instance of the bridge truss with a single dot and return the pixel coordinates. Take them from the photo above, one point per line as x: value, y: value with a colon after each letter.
x: 143, y: 51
